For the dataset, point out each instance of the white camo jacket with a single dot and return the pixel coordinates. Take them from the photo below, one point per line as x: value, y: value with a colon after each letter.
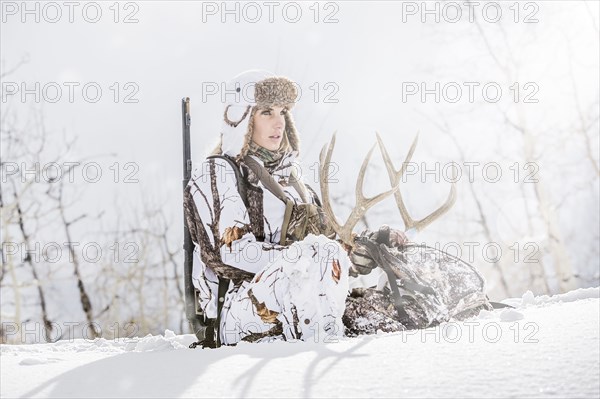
x: 217, y: 206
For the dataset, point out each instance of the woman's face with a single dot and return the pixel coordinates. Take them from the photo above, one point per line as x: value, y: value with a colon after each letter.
x: 269, y: 127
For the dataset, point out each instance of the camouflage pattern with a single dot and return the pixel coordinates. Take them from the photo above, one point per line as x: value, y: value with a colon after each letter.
x: 308, y: 219
x: 435, y: 287
x: 299, y: 296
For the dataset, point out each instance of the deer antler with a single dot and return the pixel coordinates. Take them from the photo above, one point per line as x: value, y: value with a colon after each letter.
x: 395, y: 177
x: 362, y: 203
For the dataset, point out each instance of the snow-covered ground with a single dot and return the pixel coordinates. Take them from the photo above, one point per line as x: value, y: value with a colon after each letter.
x: 546, y: 347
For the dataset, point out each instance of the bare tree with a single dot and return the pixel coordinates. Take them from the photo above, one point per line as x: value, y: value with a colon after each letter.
x: 56, y: 193
x: 18, y: 210
x: 136, y: 291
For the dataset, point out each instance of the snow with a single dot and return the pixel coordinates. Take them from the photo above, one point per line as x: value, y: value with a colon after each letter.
x: 511, y: 315
x: 545, y: 347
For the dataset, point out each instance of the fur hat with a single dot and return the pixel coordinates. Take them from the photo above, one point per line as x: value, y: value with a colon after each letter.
x: 244, y: 95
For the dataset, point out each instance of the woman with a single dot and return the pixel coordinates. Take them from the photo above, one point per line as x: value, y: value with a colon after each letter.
x: 287, y: 277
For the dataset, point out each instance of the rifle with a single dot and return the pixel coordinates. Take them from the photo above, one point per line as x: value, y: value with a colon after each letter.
x: 193, y: 311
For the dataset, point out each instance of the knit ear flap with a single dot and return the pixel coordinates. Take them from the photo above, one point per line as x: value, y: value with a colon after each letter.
x: 247, y: 136
x: 291, y: 132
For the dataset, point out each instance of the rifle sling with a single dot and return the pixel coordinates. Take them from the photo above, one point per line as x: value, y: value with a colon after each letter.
x: 270, y: 184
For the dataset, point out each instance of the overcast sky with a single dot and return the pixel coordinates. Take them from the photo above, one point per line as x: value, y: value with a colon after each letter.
x: 356, y: 57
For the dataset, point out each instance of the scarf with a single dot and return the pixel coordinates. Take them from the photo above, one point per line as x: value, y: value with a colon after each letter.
x: 270, y: 158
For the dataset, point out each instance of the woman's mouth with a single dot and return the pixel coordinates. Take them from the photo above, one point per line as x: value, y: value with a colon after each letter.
x: 276, y: 137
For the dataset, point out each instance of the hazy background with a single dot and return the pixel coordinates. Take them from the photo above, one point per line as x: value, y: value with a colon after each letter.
x: 357, y: 65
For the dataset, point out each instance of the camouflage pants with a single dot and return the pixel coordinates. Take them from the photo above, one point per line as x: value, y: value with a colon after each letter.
x: 299, y: 296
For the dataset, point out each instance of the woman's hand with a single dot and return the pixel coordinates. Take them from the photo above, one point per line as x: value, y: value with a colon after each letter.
x: 362, y: 261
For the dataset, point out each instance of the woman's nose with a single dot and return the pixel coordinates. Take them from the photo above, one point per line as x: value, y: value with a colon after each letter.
x: 279, y: 122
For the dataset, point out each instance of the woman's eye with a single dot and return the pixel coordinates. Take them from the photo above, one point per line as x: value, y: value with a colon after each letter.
x: 267, y: 112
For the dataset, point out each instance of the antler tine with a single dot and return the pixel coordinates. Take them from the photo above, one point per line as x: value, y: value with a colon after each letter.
x: 395, y: 177
x: 362, y: 203
x: 325, y: 159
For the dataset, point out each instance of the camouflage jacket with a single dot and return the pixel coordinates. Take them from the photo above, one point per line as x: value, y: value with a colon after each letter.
x: 234, y: 240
